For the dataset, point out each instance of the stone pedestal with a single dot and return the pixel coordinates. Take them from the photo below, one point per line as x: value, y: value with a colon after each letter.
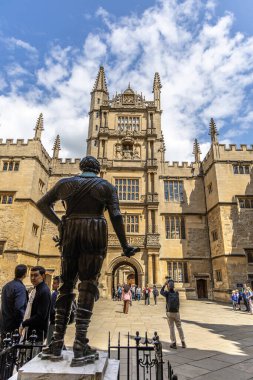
x: 37, y: 369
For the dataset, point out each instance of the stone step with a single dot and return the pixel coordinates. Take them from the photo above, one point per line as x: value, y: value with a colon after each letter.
x: 102, y: 369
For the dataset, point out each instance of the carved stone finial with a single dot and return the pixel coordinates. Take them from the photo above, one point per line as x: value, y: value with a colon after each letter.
x: 213, y: 131
x: 100, y: 83
x: 157, y: 82
x: 196, y: 151
x: 57, y: 147
x: 39, y: 127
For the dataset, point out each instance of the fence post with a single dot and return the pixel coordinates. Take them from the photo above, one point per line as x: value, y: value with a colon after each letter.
x: 137, y: 341
x: 159, y: 356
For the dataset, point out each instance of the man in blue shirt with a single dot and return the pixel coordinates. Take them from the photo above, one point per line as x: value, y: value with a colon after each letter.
x: 13, y: 301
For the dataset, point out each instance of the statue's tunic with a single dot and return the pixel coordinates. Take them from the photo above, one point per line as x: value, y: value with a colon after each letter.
x: 84, y: 240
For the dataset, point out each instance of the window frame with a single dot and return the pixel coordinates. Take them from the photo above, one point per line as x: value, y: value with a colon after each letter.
x: 176, y: 230
x: 215, y: 235
x: 170, y: 189
x: 35, y: 229
x: 184, y: 273
x: 131, y: 224
x: 128, y: 123
x: 10, y: 166
x: 123, y: 188
x: 8, y: 196
x: 218, y: 275
x: 241, y: 169
x: 243, y: 202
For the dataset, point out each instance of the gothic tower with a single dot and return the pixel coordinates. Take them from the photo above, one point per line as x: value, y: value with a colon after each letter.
x: 99, y: 97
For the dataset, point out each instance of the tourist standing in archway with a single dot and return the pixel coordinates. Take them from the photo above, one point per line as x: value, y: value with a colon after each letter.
x: 127, y: 297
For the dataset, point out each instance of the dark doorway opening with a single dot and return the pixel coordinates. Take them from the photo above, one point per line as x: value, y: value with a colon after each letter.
x: 202, y: 288
x: 124, y: 273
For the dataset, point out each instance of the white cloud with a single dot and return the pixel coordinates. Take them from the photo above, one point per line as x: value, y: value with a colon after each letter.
x: 205, y: 72
x: 14, y: 42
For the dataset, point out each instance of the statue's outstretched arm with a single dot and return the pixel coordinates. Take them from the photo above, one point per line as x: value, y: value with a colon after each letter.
x: 45, y: 205
x: 118, y: 225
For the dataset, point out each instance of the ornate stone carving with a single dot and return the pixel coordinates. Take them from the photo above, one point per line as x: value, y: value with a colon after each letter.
x: 153, y: 240
x: 133, y: 239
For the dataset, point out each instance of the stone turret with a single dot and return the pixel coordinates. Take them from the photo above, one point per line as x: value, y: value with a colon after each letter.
x: 100, y: 83
x: 196, y: 151
x: 39, y: 127
x: 57, y: 147
x: 98, y: 115
x: 157, y: 91
x: 213, y: 132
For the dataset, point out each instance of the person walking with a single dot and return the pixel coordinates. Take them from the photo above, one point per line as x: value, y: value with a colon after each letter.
x: 119, y: 292
x: 127, y: 298
x: 138, y: 293
x: 146, y: 292
x: 13, y: 302
x: 234, y: 299
x: 249, y: 299
x: 133, y: 290
x: 38, y: 308
x: 55, y: 287
x: 245, y: 298
x: 155, y: 294
x: 172, y: 312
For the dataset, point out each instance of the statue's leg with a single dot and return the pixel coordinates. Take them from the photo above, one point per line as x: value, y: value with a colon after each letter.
x: 63, y: 309
x: 89, y: 271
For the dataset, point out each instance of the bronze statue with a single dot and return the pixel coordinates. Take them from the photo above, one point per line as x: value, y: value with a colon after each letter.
x: 83, y: 243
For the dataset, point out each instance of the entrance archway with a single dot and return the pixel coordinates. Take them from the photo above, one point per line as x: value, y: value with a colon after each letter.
x: 124, y: 270
x: 124, y: 273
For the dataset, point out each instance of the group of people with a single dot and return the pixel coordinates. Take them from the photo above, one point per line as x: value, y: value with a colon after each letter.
x: 243, y: 296
x: 35, y: 310
x: 136, y: 293
x: 26, y: 311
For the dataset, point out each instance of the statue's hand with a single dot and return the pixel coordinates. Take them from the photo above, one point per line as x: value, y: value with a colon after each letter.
x: 58, y: 238
x: 130, y: 251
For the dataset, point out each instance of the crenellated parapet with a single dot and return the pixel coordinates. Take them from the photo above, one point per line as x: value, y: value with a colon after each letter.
x: 21, y: 148
x: 65, y: 167
x: 228, y: 153
x: 179, y: 169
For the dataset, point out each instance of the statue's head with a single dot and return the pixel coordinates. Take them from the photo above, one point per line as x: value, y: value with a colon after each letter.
x: 89, y: 164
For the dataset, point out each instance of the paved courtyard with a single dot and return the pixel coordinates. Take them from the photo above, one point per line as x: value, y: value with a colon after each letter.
x: 219, y: 340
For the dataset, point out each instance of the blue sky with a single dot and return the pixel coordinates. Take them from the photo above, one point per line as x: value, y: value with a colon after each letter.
x: 50, y: 53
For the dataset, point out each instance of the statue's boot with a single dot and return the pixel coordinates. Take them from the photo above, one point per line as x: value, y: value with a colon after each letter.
x: 63, y: 309
x: 83, y: 353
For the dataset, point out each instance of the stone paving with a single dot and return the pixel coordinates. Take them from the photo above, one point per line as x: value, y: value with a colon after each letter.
x: 219, y: 340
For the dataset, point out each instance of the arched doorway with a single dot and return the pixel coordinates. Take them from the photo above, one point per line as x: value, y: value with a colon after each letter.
x: 124, y: 273
x: 124, y: 270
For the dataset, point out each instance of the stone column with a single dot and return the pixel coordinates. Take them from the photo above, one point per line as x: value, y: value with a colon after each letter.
x: 149, y: 221
x: 156, y: 269
x: 149, y: 182
x: 100, y: 148
x: 150, y: 269
x: 105, y: 148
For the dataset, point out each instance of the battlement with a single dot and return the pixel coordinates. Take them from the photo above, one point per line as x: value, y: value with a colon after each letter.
x: 17, y: 142
x: 236, y: 148
x: 177, y: 164
x: 25, y: 148
x: 68, y: 161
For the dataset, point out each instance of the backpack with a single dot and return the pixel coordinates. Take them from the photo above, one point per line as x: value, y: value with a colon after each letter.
x: 155, y: 292
x: 173, y: 302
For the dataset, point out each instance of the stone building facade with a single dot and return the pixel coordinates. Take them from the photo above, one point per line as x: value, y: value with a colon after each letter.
x: 192, y: 221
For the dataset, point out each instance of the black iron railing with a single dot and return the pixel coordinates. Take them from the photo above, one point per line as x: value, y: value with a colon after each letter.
x: 144, y: 359
x: 13, y: 354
